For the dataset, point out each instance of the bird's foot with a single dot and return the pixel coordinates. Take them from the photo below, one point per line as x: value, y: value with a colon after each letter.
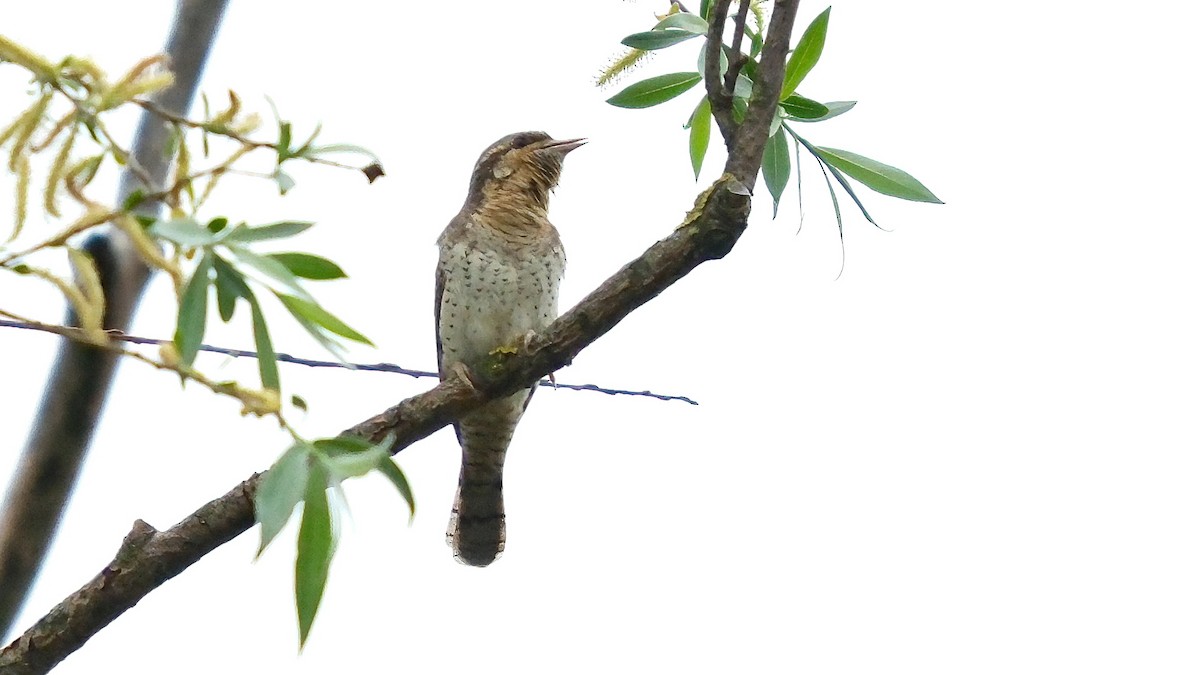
x: 461, y: 371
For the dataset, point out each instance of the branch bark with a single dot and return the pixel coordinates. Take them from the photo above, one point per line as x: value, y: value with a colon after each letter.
x: 148, y: 557
x: 79, y: 384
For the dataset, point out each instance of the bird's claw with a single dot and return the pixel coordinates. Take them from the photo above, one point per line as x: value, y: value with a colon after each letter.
x: 461, y: 371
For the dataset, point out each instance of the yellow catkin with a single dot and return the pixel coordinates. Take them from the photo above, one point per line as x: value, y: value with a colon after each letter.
x: 22, y: 207
x: 87, y: 279
x: 620, y: 66
x: 24, y: 128
x: 31, y: 61
x: 128, y: 86
x: 57, y: 171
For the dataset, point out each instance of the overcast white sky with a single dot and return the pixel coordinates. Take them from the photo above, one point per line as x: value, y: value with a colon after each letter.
x: 975, y: 451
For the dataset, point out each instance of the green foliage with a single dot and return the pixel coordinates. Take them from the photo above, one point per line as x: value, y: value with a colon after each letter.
x: 784, y: 141
x: 305, y: 473
x: 655, y: 90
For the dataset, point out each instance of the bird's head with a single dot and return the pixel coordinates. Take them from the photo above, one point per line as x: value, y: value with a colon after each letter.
x: 519, y: 171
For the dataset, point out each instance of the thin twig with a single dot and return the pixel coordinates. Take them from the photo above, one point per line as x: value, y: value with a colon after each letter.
x: 75, y: 334
x: 720, y: 100
x: 735, y: 46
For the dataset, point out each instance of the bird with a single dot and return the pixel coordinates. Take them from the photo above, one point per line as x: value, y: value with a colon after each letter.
x: 500, y: 263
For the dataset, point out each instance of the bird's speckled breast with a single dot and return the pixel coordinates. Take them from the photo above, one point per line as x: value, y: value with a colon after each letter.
x: 496, y: 289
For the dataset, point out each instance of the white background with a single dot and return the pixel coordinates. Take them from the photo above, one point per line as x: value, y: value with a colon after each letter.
x: 975, y: 451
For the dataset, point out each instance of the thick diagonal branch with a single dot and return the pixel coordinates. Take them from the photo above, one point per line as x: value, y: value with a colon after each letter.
x: 78, y: 386
x: 149, y: 557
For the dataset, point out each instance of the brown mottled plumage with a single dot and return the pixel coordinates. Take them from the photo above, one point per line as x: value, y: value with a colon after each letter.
x: 499, y: 268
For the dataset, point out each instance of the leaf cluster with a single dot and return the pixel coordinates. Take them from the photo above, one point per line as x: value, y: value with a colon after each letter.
x: 307, y: 473
x: 680, y: 26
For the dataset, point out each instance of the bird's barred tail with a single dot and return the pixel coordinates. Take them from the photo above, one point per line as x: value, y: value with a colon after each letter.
x: 476, y: 530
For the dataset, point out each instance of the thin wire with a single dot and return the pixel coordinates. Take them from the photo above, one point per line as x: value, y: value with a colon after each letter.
x: 312, y: 363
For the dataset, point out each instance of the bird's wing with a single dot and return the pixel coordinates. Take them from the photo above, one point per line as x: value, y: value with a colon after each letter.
x: 439, y: 286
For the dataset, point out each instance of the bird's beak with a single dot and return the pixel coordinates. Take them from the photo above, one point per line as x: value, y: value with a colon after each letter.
x: 563, y: 147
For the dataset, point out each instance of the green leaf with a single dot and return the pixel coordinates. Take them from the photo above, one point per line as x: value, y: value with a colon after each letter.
x: 655, y: 90
x: 704, y: 7
x: 133, y: 200
x: 776, y: 167
x: 684, y: 21
x: 193, y: 312
x: 284, y: 147
x: 698, y: 137
x: 344, y: 463
x: 340, y: 445
x: 284, y: 181
x: 270, y: 268
x: 300, y: 403
x: 658, y: 39
x: 280, y: 489
x: 268, y: 366
x: 743, y: 87
x: 798, y: 107
x: 835, y: 108
x: 334, y: 148
x: 281, y: 230
x: 841, y: 179
x: 393, y: 473
x: 217, y: 224
x: 308, y: 266
x: 806, y: 54
x: 231, y: 285
x: 182, y: 231
x: 311, y: 312
x: 314, y: 552
x: 878, y: 176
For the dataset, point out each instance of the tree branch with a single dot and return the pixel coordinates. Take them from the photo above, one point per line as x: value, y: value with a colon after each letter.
x: 148, y: 557
x: 735, y: 46
x: 78, y: 386
x: 746, y: 155
x: 720, y: 100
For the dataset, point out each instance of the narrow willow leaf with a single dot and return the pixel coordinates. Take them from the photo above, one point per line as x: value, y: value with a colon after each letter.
x: 340, y: 445
x: 334, y: 148
x: 183, y: 231
x: 314, y: 552
x: 699, y: 135
x: 284, y: 181
x: 216, y: 225
x: 394, y: 474
x: 193, y: 312
x: 658, y: 39
x: 230, y: 286
x: 308, y: 266
x: 800, y: 108
x: 313, y: 312
x: 776, y: 167
x: 705, y: 5
x: 343, y: 465
x: 835, y: 108
x: 841, y: 179
x: 878, y: 176
x: 284, y: 147
x: 300, y: 403
x: 280, y: 489
x: 806, y: 55
x: 655, y: 90
x: 282, y: 230
x: 270, y: 268
x: 684, y: 21
x: 268, y: 366
x: 837, y: 210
